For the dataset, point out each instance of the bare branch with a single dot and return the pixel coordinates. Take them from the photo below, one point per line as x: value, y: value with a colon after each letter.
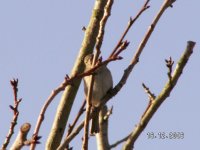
x: 149, y: 93
x: 151, y: 97
x: 160, y: 98
x: 45, y: 106
x: 107, y: 12
x: 14, y: 84
x: 80, y: 112
x: 119, y: 142
x: 169, y: 64
x: 88, y: 109
x: 165, y: 5
x: 102, y: 136
x: 131, y: 22
x: 73, y: 134
x: 21, y: 137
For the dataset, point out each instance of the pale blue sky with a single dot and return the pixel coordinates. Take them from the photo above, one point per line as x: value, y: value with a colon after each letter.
x: 39, y: 41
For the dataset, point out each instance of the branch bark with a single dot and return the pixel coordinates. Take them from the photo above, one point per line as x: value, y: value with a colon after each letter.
x: 21, y: 137
x: 102, y: 136
x: 69, y: 94
x: 119, y: 142
x: 160, y: 98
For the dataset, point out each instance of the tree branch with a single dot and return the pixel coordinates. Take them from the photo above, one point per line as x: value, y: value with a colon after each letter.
x: 165, y: 5
x: 131, y: 22
x: 14, y: 84
x: 102, y: 136
x: 160, y: 98
x: 80, y: 112
x: 21, y: 138
x: 119, y: 142
x: 139, y: 50
x: 73, y: 134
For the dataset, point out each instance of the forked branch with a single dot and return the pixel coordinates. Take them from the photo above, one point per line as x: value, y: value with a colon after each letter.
x: 161, y: 97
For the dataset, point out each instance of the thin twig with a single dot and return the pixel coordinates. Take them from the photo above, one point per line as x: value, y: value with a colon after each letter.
x: 169, y: 64
x: 107, y: 12
x: 14, y: 84
x: 88, y: 101
x: 45, y: 106
x: 86, y: 128
x: 80, y: 112
x: 149, y: 93
x: 71, y: 126
x: 121, y: 48
x: 131, y: 22
x: 119, y: 142
x: 88, y: 109
x: 73, y: 134
x: 151, y: 97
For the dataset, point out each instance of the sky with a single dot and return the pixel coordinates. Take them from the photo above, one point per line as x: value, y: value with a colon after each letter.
x: 39, y: 42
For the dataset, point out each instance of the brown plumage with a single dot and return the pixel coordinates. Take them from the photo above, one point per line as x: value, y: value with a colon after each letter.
x: 102, y: 83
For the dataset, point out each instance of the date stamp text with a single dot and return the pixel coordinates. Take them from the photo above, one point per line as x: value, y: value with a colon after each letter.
x: 165, y: 135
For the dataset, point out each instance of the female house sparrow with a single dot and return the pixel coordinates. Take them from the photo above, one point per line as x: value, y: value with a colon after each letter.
x: 102, y: 83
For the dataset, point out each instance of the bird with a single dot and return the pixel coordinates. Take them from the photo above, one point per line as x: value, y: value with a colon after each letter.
x: 103, y: 82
